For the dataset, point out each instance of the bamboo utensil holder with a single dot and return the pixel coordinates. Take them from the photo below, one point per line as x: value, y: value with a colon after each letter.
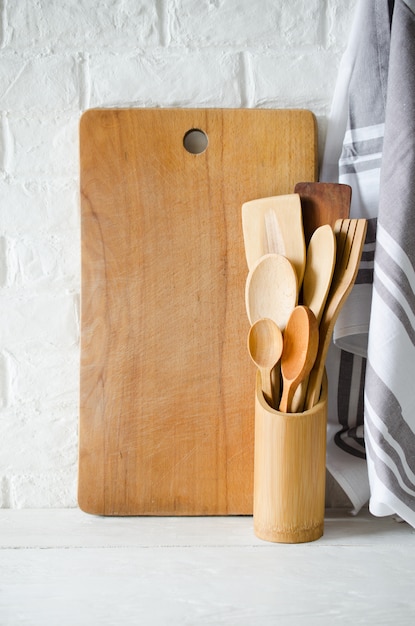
x: 289, y: 471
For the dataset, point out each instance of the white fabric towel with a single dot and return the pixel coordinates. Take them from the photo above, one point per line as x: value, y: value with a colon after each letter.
x: 370, y: 146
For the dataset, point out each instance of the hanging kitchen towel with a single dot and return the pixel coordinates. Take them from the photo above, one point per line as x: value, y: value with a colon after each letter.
x: 370, y: 145
x: 390, y: 395
x: 353, y: 154
x: 360, y: 161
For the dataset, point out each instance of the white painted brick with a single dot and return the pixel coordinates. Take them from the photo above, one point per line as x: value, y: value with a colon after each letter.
x: 40, y: 206
x: 37, y: 379
x: 244, y: 23
x: 81, y: 24
x: 29, y: 317
x: 166, y: 78
x: 293, y: 79
x: 8, y: 374
x: 44, y: 83
x: 43, y: 442
x: 52, y: 489
x: 43, y: 146
x: 3, y: 260
x: 339, y: 22
x: 3, y: 142
x: 4, y: 493
x: 48, y: 380
x: 40, y: 260
x: 40, y: 378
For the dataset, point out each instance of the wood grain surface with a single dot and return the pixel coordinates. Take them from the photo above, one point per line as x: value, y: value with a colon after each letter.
x: 323, y: 203
x: 167, y: 385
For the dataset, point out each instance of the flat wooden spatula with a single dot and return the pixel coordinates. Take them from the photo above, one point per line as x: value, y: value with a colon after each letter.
x: 274, y: 225
x: 322, y: 203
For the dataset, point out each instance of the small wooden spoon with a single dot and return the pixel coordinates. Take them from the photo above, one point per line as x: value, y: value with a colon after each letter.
x: 271, y: 289
x: 265, y: 348
x: 299, y: 352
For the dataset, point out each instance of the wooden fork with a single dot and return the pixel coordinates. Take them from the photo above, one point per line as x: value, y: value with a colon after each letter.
x: 350, y: 237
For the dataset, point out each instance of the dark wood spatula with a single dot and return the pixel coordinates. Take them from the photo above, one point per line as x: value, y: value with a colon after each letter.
x: 323, y: 203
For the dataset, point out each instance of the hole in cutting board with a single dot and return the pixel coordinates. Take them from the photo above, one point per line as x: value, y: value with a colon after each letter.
x: 195, y: 141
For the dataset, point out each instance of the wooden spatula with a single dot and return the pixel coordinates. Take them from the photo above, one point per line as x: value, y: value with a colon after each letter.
x: 323, y: 203
x: 274, y: 225
x: 350, y: 237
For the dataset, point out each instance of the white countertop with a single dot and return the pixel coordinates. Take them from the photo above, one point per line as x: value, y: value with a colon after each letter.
x: 64, y: 567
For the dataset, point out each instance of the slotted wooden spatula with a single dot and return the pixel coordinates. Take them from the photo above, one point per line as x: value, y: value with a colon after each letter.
x: 322, y: 203
x: 274, y: 225
x: 350, y: 237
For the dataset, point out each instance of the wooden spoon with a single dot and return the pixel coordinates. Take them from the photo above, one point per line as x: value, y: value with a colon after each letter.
x: 322, y: 203
x: 319, y: 268
x: 298, y: 353
x: 265, y: 348
x: 274, y: 225
x: 271, y: 290
x: 350, y: 237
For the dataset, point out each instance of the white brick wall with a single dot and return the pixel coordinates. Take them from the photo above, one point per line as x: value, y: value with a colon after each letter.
x: 58, y: 58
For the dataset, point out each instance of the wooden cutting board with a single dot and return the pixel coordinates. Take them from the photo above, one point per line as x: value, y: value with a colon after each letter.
x: 167, y: 386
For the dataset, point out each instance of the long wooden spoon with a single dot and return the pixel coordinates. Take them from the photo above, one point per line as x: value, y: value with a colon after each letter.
x: 320, y: 262
x: 322, y: 203
x: 350, y: 237
x: 298, y: 353
x: 274, y: 225
x: 265, y: 348
x: 271, y: 290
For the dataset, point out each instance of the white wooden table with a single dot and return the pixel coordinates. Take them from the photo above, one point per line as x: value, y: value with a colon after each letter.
x: 66, y: 568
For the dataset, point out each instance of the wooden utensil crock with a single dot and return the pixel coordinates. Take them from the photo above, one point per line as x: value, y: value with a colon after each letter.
x: 289, y: 471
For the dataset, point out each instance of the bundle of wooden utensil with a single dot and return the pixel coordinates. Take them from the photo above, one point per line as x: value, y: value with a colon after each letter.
x: 303, y: 254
